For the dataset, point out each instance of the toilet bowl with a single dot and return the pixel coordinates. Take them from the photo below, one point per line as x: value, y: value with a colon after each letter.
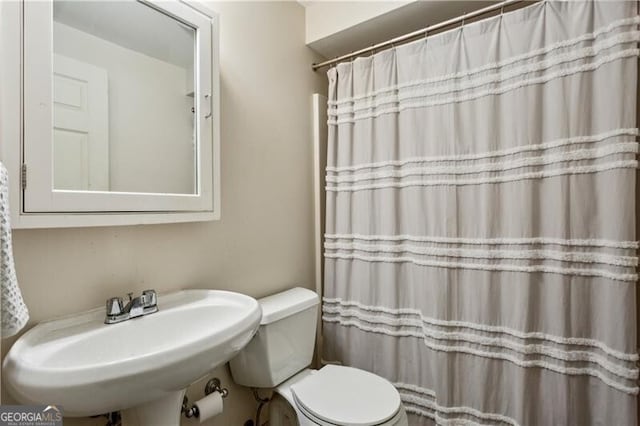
x: 336, y: 395
x: 278, y: 358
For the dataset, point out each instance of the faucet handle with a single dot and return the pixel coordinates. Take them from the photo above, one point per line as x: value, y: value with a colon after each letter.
x: 150, y: 297
x: 114, y: 306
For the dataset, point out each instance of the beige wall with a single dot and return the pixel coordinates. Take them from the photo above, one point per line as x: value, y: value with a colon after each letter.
x: 325, y: 18
x: 264, y: 242
x: 335, y: 28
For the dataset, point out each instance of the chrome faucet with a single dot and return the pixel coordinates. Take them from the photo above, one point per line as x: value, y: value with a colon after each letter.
x: 145, y: 304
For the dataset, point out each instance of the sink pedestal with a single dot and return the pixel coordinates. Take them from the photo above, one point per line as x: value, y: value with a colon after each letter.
x: 165, y: 411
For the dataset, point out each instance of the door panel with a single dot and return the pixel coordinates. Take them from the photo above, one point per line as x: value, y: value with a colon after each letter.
x: 80, y: 125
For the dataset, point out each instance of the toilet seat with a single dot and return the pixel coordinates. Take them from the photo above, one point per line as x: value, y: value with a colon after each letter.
x: 346, y: 396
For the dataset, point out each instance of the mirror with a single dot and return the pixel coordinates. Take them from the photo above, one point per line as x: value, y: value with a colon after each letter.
x: 124, y: 115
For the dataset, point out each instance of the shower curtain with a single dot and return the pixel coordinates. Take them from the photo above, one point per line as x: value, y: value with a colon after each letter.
x: 481, y: 218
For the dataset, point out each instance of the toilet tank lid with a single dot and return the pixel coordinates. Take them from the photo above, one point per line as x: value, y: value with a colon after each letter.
x: 286, y: 303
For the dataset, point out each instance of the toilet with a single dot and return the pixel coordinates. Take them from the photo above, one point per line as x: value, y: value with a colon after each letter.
x: 278, y: 358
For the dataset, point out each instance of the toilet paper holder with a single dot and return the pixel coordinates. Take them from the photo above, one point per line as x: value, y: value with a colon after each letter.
x: 213, y: 385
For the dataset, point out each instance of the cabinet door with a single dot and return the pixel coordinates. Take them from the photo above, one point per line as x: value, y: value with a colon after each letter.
x: 75, y: 110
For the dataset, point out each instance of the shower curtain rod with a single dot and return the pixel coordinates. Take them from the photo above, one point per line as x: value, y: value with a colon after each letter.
x: 410, y: 36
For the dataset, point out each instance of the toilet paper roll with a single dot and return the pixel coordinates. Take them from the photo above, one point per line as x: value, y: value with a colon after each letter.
x: 209, y: 406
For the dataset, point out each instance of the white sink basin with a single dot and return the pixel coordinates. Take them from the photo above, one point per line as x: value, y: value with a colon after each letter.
x: 91, y: 368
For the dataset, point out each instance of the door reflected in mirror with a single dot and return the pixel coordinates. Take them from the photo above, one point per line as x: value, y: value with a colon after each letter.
x: 123, y: 99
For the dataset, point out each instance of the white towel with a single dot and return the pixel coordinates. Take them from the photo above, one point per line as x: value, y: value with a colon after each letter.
x: 14, y: 312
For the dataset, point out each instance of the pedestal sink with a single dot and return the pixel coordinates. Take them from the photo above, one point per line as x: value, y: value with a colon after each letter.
x: 142, y: 366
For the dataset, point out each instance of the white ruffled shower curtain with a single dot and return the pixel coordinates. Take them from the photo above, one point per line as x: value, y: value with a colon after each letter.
x: 481, y: 218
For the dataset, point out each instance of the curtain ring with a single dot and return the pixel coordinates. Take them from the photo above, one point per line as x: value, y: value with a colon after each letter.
x: 464, y: 16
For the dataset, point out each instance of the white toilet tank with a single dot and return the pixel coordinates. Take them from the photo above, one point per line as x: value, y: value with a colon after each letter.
x: 284, y: 342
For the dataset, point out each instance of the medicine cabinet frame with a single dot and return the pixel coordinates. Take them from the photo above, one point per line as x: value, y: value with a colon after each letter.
x: 26, y: 135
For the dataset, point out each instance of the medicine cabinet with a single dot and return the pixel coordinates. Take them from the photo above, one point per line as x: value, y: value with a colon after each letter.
x: 119, y: 112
